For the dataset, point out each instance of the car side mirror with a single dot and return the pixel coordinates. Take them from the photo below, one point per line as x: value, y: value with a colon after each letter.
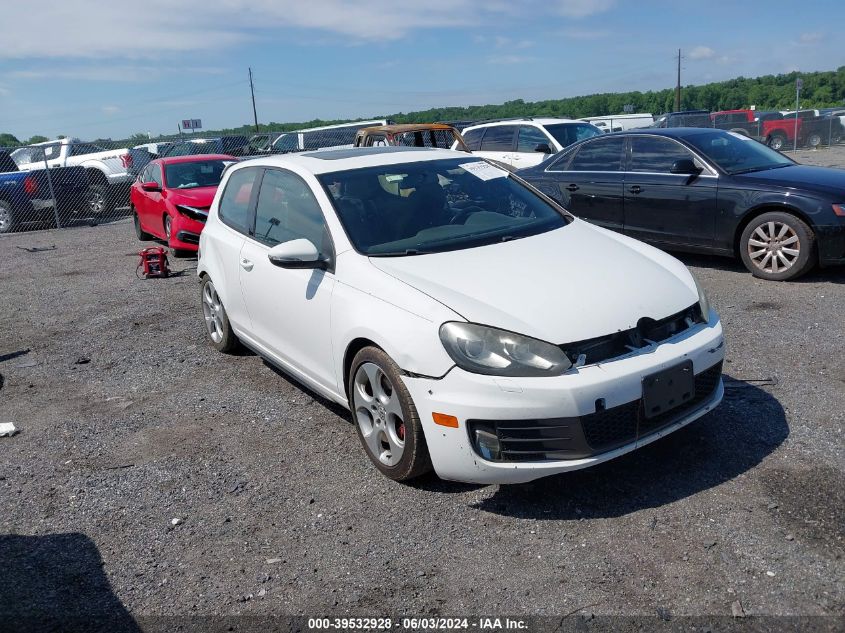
x: 543, y: 148
x: 150, y: 186
x: 684, y: 166
x: 299, y: 253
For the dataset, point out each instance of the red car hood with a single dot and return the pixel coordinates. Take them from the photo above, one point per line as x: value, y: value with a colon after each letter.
x: 199, y: 197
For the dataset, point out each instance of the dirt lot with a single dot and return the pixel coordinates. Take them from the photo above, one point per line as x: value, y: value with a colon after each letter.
x: 154, y: 476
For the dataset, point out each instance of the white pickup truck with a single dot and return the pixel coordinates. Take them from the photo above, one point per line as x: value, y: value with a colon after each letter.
x: 110, y: 172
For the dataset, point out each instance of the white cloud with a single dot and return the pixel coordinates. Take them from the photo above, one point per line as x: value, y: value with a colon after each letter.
x: 811, y: 38
x: 129, y: 73
x: 702, y: 52
x: 85, y: 29
x: 501, y: 41
x: 583, y: 8
x: 110, y: 109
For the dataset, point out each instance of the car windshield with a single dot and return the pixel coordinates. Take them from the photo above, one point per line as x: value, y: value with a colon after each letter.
x: 568, y: 133
x: 735, y: 153
x: 204, y: 173
x: 434, y: 206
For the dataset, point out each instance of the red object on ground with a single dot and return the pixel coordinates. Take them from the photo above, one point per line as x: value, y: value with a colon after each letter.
x: 154, y: 262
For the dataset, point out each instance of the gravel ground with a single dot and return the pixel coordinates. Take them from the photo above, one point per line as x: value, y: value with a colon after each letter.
x: 153, y: 476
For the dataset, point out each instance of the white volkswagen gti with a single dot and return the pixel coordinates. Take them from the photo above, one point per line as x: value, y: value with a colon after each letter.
x: 468, y: 322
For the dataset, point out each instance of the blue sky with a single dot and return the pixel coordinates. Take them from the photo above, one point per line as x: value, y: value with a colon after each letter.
x: 110, y: 69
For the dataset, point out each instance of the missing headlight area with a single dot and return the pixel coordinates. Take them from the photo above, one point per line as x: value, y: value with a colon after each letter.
x: 647, y: 332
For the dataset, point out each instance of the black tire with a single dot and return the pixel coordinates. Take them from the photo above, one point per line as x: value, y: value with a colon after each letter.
x: 814, y: 140
x: 167, y: 223
x: 140, y: 233
x: 777, y: 141
x: 415, y: 460
x: 99, y: 200
x: 765, y: 257
x: 227, y: 341
x: 7, y: 217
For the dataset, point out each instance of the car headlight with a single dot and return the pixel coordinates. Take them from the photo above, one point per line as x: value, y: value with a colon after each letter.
x: 703, y: 301
x: 486, y: 350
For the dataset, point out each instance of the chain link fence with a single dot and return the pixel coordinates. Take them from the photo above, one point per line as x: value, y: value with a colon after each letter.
x: 69, y: 182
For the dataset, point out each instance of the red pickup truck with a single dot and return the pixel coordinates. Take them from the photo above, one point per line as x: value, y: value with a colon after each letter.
x: 768, y: 127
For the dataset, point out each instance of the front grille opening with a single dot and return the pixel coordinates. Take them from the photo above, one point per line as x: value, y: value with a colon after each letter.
x: 603, y: 348
x: 575, y: 438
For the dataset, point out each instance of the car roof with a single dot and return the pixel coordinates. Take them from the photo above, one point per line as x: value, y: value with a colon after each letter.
x: 192, y: 158
x: 326, y: 161
x: 405, y: 127
x: 526, y: 121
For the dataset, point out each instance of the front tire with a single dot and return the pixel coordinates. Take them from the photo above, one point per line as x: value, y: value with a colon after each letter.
x: 777, y: 141
x: 387, y: 421
x: 217, y: 326
x: 778, y: 246
x: 7, y: 217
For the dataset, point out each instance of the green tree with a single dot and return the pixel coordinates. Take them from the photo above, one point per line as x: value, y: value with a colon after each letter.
x: 36, y: 139
x: 8, y: 140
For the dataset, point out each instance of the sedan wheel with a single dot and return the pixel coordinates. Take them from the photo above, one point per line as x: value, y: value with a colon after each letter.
x: 168, y: 226
x: 5, y: 217
x: 388, y: 424
x: 778, y: 246
x: 216, y: 320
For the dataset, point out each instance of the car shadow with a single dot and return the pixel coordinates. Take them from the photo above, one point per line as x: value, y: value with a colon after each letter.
x: 833, y: 274
x: 57, y: 583
x: 332, y: 406
x: 748, y: 425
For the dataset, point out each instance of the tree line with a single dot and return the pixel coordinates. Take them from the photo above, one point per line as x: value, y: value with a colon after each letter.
x: 770, y: 92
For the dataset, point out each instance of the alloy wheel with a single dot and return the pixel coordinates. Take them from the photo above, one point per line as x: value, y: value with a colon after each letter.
x: 378, y: 412
x: 212, y: 310
x: 168, y: 226
x: 96, y: 202
x: 5, y: 219
x: 774, y: 247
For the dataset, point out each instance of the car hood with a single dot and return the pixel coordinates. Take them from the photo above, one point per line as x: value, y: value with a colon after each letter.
x: 198, y: 197
x: 824, y: 180
x: 567, y: 285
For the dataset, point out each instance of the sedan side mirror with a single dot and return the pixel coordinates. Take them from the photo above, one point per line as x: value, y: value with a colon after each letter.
x: 150, y: 186
x: 299, y: 253
x: 543, y: 148
x: 685, y: 166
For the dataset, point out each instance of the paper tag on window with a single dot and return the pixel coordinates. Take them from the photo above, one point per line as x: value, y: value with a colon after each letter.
x: 482, y: 170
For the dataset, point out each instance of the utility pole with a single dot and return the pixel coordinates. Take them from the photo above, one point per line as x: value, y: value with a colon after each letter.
x: 678, y: 85
x: 252, y: 91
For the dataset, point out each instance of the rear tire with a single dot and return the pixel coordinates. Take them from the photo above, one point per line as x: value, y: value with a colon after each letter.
x: 140, y: 233
x: 7, y: 217
x: 778, y: 246
x: 814, y: 140
x: 217, y: 326
x: 99, y: 200
x: 385, y: 417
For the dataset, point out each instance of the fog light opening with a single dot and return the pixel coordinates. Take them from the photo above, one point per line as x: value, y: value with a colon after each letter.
x: 488, y: 445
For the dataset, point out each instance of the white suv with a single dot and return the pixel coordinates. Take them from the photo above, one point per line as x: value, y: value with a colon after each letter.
x: 468, y: 323
x: 523, y: 143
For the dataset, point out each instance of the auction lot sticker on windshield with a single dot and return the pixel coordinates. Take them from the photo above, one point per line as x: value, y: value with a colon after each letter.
x: 482, y: 170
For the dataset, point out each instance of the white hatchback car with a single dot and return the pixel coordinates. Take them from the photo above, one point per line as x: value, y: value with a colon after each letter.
x: 467, y: 321
x: 521, y: 143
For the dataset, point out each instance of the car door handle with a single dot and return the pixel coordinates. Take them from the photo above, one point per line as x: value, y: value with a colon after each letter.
x: 572, y: 187
x: 635, y: 189
x: 246, y: 264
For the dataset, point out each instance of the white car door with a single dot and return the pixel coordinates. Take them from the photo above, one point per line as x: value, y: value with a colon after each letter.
x: 498, y: 143
x: 225, y: 241
x: 529, y: 138
x: 289, y: 308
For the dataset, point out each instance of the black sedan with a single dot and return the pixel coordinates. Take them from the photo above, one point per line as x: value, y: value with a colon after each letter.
x: 704, y: 190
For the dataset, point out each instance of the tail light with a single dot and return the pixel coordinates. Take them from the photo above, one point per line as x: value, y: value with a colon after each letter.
x: 30, y: 186
x: 126, y: 160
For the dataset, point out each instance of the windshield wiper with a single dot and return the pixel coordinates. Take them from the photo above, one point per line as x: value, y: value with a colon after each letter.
x: 765, y: 168
x: 408, y: 252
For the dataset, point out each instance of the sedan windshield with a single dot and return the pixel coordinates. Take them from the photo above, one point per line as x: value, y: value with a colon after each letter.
x: 434, y: 206
x: 735, y: 153
x: 205, y: 173
x: 568, y: 133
